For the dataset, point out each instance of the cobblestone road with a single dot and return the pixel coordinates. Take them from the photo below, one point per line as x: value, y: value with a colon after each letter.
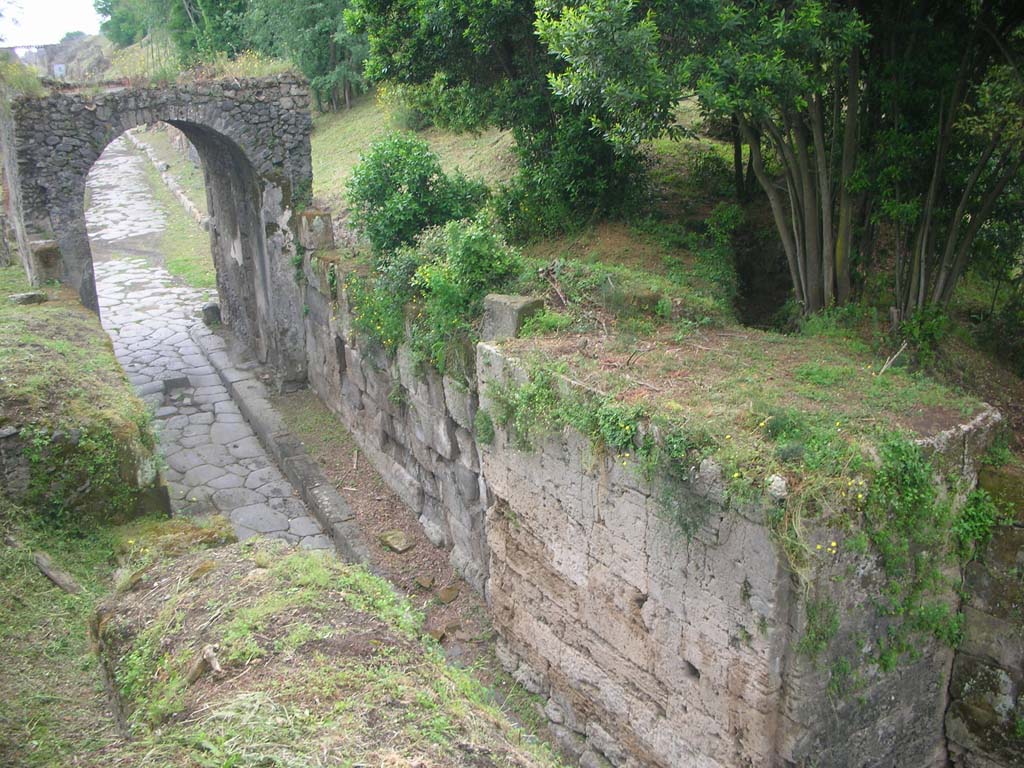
x: 215, y: 463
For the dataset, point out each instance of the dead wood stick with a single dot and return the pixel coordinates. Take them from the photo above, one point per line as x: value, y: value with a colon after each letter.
x: 892, y: 359
x: 355, y: 460
x: 58, y: 576
x: 207, y: 660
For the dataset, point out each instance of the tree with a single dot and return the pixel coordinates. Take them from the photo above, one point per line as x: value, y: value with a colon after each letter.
x: 843, y: 98
x: 482, y: 64
x: 124, y: 21
x: 314, y: 36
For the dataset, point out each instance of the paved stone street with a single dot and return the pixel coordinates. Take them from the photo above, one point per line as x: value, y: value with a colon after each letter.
x: 215, y: 463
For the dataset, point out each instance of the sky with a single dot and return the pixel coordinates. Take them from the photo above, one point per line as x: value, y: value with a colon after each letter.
x: 40, y: 22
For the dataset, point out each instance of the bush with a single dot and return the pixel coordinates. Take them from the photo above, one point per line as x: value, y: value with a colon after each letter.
x: 445, y: 276
x: 567, y: 173
x: 460, y: 264
x: 398, y: 189
x: 924, y: 331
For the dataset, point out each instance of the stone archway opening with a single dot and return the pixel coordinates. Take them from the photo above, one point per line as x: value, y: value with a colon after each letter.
x: 252, y: 137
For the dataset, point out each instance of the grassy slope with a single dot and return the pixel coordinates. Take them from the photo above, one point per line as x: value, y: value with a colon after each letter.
x: 321, y: 659
x: 339, y: 138
x: 188, y: 176
x: 56, y: 362
x: 323, y: 664
x: 53, y: 710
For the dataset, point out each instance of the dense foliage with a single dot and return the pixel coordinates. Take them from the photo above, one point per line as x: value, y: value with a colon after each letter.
x: 480, y: 63
x: 887, y: 138
x: 907, y: 116
x: 312, y: 34
x: 398, y: 189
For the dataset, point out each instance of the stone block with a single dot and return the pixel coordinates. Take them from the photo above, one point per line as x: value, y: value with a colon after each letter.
x: 32, y: 297
x: 460, y: 401
x: 316, y: 233
x: 504, y: 315
x: 46, y: 259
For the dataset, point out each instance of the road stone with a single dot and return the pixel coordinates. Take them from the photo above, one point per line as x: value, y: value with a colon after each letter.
x: 214, y: 461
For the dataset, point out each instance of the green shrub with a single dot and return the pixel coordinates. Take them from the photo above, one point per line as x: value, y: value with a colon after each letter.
x: 567, y: 174
x: 459, y: 265
x: 924, y: 331
x: 973, y: 526
x: 398, y: 189
x: 724, y: 220
x: 445, y: 277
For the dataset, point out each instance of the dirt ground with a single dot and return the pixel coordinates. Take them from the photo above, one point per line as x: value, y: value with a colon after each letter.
x: 462, y: 625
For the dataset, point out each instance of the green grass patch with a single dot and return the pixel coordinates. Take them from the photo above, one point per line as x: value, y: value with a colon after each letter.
x: 185, y: 246
x: 339, y: 138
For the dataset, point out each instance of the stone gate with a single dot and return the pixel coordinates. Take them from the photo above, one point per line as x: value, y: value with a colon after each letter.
x: 252, y: 136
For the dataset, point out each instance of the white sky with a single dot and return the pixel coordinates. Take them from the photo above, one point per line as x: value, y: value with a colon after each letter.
x: 41, y: 22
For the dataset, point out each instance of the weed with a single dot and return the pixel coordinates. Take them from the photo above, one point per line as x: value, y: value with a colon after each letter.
x: 483, y: 426
x: 974, y: 524
x: 545, y: 322
x: 822, y: 626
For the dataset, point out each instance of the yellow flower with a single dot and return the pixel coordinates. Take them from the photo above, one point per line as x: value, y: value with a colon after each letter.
x: 818, y: 547
x: 728, y: 437
x: 834, y: 544
x: 735, y: 474
x: 860, y: 496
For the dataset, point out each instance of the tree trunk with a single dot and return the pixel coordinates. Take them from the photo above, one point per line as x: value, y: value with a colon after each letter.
x: 777, y: 206
x: 821, y: 161
x: 844, y: 235
x: 737, y: 160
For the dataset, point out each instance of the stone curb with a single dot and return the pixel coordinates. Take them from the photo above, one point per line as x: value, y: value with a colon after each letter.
x: 251, y: 397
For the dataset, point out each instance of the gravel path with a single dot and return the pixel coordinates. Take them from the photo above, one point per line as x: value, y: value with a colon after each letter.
x: 215, y: 463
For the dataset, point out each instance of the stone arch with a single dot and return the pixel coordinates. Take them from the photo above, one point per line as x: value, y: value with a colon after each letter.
x: 252, y: 137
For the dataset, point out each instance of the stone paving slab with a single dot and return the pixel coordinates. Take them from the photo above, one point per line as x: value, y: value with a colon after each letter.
x: 215, y: 462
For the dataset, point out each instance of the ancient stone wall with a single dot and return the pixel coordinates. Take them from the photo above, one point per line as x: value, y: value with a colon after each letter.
x: 253, y: 139
x: 985, y: 720
x: 652, y: 649
x: 414, y: 425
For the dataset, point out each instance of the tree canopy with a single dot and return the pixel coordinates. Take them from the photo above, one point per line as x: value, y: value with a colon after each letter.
x: 857, y: 115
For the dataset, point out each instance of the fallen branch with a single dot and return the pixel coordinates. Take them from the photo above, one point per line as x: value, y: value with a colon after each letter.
x: 207, y: 660
x: 548, y: 273
x: 892, y: 359
x: 57, y: 575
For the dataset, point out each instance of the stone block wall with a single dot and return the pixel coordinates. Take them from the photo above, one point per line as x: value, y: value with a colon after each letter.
x: 415, y: 426
x: 656, y: 650
x: 985, y: 720
x: 650, y: 649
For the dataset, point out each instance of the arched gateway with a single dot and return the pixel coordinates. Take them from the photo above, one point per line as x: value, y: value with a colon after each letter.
x: 252, y: 136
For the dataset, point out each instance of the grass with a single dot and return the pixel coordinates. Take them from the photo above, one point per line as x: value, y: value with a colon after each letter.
x: 340, y: 137
x: 181, y: 169
x: 338, y: 669
x: 323, y: 663
x: 57, y: 364
x: 184, y: 245
x: 52, y: 704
